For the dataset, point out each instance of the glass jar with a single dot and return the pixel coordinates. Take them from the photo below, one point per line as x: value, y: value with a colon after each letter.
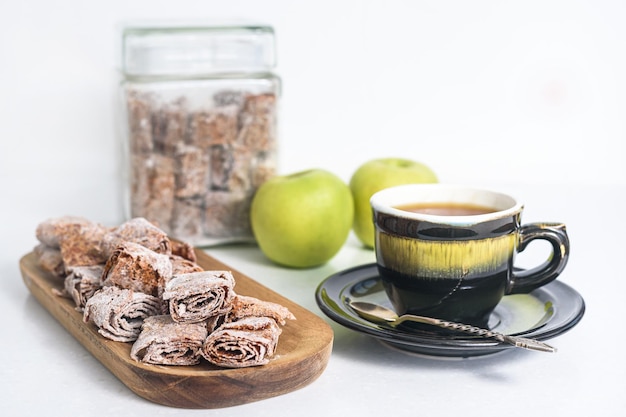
x: 200, y: 122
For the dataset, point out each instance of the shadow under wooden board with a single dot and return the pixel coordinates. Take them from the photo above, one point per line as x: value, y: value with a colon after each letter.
x: 303, y: 352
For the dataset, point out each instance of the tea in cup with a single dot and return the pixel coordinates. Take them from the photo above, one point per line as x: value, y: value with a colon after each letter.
x: 448, y: 251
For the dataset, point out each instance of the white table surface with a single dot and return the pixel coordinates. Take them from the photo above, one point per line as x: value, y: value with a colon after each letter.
x: 43, y: 366
x: 524, y: 96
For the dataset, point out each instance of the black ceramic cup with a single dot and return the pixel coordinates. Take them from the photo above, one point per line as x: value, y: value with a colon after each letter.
x: 454, y: 260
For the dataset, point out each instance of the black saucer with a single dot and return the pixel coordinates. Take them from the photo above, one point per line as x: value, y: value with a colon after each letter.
x: 542, y: 314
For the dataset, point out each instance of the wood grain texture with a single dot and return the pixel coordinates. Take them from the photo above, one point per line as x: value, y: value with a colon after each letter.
x: 303, y: 352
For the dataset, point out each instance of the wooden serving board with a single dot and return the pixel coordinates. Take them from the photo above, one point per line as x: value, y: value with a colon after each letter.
x: 303, y: 350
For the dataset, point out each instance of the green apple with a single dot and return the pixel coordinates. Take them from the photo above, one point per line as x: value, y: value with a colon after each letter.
x: 302, y: 220
x: 374, y: 176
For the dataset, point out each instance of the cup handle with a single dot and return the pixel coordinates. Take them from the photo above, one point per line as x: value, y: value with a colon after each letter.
x: 525, y: 280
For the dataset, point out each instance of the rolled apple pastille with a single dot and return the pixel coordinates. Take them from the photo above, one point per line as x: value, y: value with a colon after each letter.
x: 137, y: 268
x: 119, y: 313
x: 184, y: 249
x: 187, y: 218
x: 78, y: 241
x: 257, y: 121
x: 215, y: 126
x: 82, y: 245
x: 153, y: 183
x: 50, y: 259
x: 182, y: 265
x: 82, y: 283
x: 221, y: 160
x: 169, y: 125
x: 139, y: 122
x: 138, y: 230
x: 191, y: 171
x: 227, y: 214
x: 247, y: 306
x: 51, y: 231
x: 198, y: 296
x: 250, y: 341
x: 163, y: 341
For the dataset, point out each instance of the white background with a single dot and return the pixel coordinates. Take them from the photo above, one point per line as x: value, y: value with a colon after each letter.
x: 518, y: 94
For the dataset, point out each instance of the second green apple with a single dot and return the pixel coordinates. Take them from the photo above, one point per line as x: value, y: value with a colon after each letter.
x: 376, y: 175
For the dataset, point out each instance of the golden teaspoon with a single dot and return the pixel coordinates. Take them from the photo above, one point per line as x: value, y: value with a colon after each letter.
x: 379, y: 314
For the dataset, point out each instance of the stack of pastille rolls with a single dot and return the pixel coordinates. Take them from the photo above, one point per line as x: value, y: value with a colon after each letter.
x: 138, y: 286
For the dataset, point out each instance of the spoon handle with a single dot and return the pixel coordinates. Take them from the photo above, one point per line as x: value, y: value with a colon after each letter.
x: 521, y: 342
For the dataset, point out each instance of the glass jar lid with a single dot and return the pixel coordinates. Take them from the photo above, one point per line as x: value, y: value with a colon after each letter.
x: 197, y: 50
